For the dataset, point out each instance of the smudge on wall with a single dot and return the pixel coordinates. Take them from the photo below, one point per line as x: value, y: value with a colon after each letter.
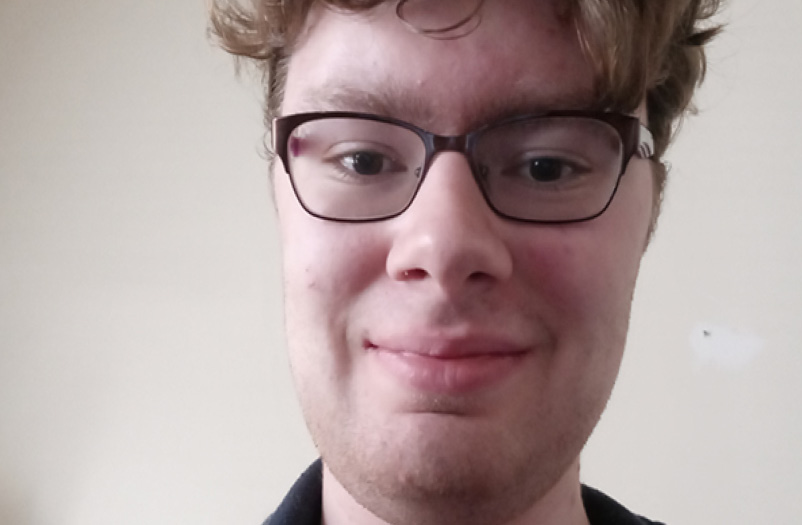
x: 721, y: 347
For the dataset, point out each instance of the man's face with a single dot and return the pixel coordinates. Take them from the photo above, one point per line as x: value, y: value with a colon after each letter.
x: 448, y: 354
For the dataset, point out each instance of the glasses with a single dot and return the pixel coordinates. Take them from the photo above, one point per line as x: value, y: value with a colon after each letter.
x: 555, y: 167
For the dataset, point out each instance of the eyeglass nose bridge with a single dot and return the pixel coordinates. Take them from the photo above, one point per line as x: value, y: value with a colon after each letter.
x: 441, y: 143
x: 463, y: 144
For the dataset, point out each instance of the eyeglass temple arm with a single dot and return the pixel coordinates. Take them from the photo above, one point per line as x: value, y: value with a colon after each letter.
x: 645, y: 143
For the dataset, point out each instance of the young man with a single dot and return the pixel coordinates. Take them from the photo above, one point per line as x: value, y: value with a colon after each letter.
x: 465, y: 190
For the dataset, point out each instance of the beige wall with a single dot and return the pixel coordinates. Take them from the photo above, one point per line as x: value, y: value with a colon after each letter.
x: 142, y: 374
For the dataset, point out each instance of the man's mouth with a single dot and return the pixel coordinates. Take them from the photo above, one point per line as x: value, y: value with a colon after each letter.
x: 448, y: 366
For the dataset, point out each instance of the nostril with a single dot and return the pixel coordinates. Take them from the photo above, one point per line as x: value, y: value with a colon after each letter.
x: 478, y: 277
x: 415, y: 274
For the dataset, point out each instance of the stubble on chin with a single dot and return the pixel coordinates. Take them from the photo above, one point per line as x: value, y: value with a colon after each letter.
x: 435, y: 481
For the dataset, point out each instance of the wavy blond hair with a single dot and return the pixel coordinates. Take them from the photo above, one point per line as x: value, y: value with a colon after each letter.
x: 650, y: 50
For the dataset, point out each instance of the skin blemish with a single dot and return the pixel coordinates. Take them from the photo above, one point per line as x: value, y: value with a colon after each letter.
x: 295, y: 146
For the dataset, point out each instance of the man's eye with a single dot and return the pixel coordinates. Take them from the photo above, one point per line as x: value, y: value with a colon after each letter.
x: 549, y: 169
x: 365, y: 162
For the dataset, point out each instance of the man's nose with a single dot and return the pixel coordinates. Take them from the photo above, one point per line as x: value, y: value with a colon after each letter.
x: 449, y: 234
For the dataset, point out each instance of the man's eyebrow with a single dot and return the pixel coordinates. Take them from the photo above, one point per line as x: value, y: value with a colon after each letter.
x: 386, y: 102
x: 415, y: 108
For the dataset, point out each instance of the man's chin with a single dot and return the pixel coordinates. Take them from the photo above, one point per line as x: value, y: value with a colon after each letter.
x: 428, y: 479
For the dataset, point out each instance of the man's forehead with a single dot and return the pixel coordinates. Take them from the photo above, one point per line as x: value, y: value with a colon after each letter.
x: 520, y: 59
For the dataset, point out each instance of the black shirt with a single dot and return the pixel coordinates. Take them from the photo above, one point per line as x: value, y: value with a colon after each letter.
x: 302, y: 505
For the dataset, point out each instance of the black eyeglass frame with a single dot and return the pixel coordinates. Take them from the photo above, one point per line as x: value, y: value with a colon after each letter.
x: 635, y: 139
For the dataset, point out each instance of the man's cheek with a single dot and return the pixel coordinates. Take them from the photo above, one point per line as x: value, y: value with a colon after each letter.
x: 579, y: 293
x: 559, y: 271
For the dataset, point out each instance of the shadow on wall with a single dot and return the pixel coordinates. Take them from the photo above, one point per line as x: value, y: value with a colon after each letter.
x: 15, y: 508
